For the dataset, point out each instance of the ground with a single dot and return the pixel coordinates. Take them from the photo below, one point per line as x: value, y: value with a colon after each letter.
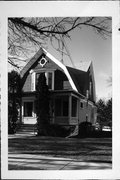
x: 43, y: 153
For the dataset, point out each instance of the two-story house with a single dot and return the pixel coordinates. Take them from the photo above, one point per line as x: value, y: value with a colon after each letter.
x: 72, y: 90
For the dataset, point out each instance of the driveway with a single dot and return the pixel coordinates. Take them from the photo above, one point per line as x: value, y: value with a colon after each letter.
x: 30, y: 152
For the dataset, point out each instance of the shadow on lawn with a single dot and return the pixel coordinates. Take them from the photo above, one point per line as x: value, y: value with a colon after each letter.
x: 86, y: 148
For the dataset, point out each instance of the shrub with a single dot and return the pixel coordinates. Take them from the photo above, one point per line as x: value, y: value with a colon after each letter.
x: 56, y: 130
x: 85, y: 129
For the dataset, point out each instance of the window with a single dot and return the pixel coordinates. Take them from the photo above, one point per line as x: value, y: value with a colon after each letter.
x: 37, y: 76
x: 74, y: 107
x: 28, y: 109
x: 81, y: 105
x: 61, y: 106
x: 49, y: 79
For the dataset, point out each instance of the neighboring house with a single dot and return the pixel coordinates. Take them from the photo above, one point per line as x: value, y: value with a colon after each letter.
x: 72, y: 90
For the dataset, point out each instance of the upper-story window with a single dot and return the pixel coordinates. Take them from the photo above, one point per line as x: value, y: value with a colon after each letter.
x: 81, y: 105
x: 49, y: 79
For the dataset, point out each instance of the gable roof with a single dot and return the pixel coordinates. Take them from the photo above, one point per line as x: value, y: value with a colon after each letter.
x: 42, y: 51
x: 84, y: 65
x: 78, y: 77
x: 81, y: 77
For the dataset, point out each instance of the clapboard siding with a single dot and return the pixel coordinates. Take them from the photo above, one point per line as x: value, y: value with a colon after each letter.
x: 27, y: 84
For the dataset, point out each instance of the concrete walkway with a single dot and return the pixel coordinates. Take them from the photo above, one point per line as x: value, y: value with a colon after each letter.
x: 40, y: 162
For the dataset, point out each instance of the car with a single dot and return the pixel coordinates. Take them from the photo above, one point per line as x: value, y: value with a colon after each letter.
x: 106, y: 128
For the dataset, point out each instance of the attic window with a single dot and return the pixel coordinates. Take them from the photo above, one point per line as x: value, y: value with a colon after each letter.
x: 43, y: 61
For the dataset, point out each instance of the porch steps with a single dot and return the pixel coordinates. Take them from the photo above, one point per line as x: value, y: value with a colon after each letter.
x: 74, y: 133
x: 27, y: 129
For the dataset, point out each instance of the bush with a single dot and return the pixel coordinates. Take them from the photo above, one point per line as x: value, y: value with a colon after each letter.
x: 11, y: 125
x: 56, y: 130
x: 85, y: 129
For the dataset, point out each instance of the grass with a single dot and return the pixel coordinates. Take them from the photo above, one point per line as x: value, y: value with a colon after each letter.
x: 87, y: 149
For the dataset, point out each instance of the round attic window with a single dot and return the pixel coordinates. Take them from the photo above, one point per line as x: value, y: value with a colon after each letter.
x: 43, y: 61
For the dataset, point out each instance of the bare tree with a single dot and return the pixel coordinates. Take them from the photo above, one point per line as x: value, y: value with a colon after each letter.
x: 26, y: 35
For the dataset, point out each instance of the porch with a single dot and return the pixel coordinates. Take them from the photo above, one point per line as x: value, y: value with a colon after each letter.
x: 64, y: 108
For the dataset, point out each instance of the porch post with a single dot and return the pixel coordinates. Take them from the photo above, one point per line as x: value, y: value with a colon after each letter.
x: 70, y: 106
x: 20, y: 111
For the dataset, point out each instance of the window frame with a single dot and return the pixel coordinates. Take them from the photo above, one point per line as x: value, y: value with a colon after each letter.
x: 46, y: 75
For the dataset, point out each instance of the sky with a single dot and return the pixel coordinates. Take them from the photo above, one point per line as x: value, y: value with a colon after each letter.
x: 86, y: 45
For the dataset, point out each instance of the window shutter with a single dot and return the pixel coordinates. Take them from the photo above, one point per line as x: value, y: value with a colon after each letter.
x: 33, y: 81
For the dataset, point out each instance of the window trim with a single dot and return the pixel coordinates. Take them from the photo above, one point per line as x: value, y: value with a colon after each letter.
x: 46, y: 74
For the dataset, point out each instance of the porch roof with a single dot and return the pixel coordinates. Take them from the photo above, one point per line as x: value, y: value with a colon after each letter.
x: 68, y: 92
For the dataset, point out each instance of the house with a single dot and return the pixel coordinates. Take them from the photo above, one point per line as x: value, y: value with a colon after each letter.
x: 72, y: 90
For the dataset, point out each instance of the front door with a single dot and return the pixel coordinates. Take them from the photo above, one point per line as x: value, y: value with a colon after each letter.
x: 28, y: 114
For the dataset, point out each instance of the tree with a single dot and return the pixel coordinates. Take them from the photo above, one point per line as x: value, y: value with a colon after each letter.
x: 42, y: 105
x: 104, y: 111
x: 14, y: 94
x: 109, y: 112
x: 26, y: 35
x: 101, y: 112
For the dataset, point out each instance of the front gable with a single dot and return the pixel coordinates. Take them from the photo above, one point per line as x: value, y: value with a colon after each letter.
x: 54, y: 69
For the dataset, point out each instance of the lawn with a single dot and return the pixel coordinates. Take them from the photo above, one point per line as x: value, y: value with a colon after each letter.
x: 86, y: 149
